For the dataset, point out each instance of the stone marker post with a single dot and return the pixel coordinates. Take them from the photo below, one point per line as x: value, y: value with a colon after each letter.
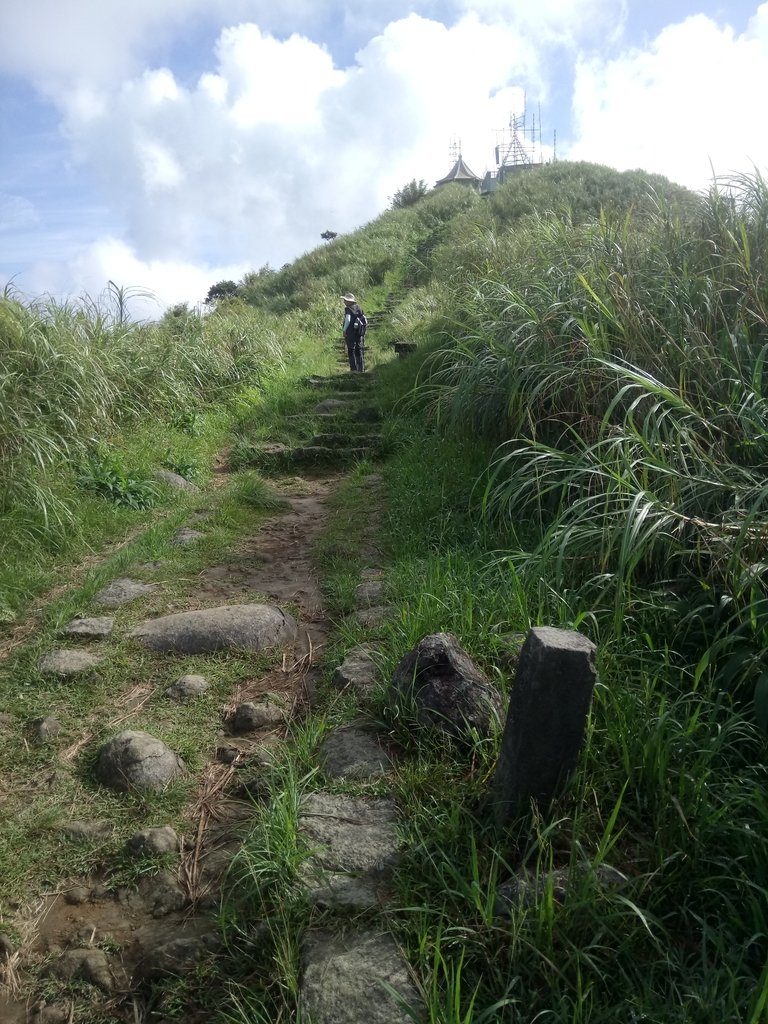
x: 546, y: 718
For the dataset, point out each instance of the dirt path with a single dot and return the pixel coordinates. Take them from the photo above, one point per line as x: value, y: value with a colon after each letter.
x: 141, y: 924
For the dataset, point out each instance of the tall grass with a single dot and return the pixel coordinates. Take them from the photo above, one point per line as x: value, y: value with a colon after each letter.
x: 76, y: 375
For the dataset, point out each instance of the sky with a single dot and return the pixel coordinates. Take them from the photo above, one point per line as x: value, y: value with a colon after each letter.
x: 166, y: 145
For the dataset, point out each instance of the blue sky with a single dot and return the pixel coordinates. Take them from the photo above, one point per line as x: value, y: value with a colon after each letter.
x: 167, y: 144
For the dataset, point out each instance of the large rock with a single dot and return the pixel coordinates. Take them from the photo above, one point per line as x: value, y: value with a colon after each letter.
x: 121, y: 592
x: 348, y: 980
x: 244, y: 627
x: 447, y: 689
x: 136, y: 760
x: 65, y: 663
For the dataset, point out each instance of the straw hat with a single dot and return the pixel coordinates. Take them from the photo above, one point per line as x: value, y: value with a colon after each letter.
x: 349, y: 297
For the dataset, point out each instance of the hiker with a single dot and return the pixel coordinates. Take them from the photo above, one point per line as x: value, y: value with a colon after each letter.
x: 353, y: 331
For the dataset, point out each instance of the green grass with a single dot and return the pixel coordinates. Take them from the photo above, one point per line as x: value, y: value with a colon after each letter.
x: 580, y: 441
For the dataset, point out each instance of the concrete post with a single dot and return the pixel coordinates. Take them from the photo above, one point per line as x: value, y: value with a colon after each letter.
x: 546, y: 719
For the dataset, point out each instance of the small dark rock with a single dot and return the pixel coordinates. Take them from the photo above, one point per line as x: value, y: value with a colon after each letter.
x: 55, y: 1013
x: 249, y: 717
x: 89, y: 965
x: 77, y: 894
x: 187, y: 687
x: 162, y: 893
x: 67, y: 663
x: 185, y: 536
x: 45, y: 729
x: 175, y: 481
x: 87, y: 830
x: 6, y: 948
x: 179, y: 956
x: 151, y: 841
x: 90, y: 629
x: 121, y: 592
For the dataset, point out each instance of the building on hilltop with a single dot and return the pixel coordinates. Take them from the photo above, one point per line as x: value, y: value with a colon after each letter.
x: 461, y: 173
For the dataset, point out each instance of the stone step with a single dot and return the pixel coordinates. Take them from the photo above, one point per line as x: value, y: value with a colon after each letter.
x: 341, y: 440
x: 350, y: 978
x: 275, y: 454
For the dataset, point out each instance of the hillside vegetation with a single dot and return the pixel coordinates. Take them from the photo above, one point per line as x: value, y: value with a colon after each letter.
x: 581, y: 440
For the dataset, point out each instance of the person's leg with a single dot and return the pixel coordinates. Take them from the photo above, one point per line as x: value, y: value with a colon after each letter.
x: 351, y: 354
x: 358, y: 356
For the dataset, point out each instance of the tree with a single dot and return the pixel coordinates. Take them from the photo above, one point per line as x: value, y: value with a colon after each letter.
x: 409, y: 194
x: 222, y: 290
x: 328, y: 236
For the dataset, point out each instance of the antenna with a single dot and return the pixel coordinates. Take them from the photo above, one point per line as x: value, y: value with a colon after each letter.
x: 454, y: 149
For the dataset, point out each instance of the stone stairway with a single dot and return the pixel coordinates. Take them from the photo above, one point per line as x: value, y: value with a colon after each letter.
x: 163, y: 928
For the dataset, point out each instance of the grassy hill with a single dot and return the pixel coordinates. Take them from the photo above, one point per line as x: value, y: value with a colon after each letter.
x: 580, y: 439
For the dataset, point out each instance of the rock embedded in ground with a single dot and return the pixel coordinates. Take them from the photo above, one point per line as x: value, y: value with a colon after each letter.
x: 77, y: 894
x: 349, y: 980
x: 52, y: 1013
x: 244, y: 627
x: 185, y: 536
x: 175, y: 481
x: 528, y: 888
x: 446, y: 688
x: 89, y: 965
x: 65, y: 663
x: 263, y: 714
x: 373, y: 617
x: 46, y: 729
x: 87, y: 831
x: 358, y: 671
x: 90, y: 629
x: 152, y: 841
x: 6, y: 948
x: 370, y: 593
x: 187, y: 687
x: 136, y: 760
x: 162, y: 894
x: 121, y: 592
x: 354, y: 847
x: 353, y: 753
x: 179, y: 956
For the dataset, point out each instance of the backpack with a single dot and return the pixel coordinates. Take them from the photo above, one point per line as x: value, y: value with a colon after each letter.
x: 358, y: 321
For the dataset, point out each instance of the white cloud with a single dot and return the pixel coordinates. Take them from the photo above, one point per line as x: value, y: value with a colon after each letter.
x: 275, y: 144
x: 272, y: 140
x: 152, y: 285
x: 690, y: 101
